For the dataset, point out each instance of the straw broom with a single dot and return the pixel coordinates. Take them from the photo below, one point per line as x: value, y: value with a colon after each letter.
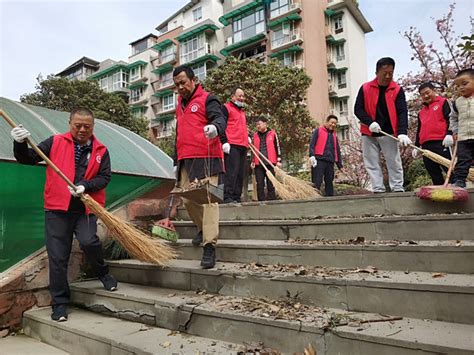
x: 280, y: 189
x: 300, y: 188
x: 136, y: 243
x: 433, y: 156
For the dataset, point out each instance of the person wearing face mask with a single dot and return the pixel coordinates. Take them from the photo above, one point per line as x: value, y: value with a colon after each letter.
x: 324, y: 151
x: 432, y: 132
x: 235, y: 147
x: 381, y: 106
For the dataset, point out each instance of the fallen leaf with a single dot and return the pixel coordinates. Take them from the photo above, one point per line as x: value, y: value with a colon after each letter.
x: 274, y: 308
x: 437, y: 274
x: 166, y: 344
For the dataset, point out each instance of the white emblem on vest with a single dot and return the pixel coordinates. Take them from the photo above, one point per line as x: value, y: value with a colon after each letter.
x: 194, y: 107
x: 435, y: 107
x: 97, y: 158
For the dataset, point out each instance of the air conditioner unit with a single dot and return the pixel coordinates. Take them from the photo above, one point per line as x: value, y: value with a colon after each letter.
x: 294, y: 37
x: 294, y: 6
x: 230, y: 40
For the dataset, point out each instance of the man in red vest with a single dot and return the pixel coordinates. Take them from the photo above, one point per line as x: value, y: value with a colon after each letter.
x: 199, y: 155
x: 324, y: 151
x: 433, y: 130
x: 86, y: 161
x: 235, y: 147
x: 266, y: 142
x: 381, y: 106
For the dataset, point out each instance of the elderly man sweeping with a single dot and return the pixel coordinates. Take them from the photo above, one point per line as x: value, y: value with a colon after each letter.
x: 84, y: 160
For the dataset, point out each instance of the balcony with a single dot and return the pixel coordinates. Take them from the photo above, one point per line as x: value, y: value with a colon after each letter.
x: 293, y: 37
x: 296, y: 64
x: 201, y: 54
x: 166, y: 84
x: 166, y: 59
x: 292, y: 7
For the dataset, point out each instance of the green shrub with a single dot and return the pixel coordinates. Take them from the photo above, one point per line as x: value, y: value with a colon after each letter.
x: 415, y: 175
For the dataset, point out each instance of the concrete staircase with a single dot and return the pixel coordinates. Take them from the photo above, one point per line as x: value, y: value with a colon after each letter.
x: 379, y: 274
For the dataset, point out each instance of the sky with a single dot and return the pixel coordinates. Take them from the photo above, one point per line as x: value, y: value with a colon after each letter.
x: 38, y: 36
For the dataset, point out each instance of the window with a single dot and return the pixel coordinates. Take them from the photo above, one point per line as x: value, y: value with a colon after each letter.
x: 136, y: 73
x: 338, y: 25
x: 278, y: 7
x: 283, y: 34
x: 197, y: 14
x: 168, y: 54
x: 341, y: 80
x: 119, y: 80
x: 200, y: 71
x: 138, y: 112
x: 163, y: 30
x: 248, y: 26
x: 340, y: 52
x: 139, y: 47
x: 289, y: 59
x: 136, y: 94
x: 166, y: 79
x: 342, y: 107
x: 104, y: 83
x: 193, y: 48
x: 343, y: 133
x: 168, y: 102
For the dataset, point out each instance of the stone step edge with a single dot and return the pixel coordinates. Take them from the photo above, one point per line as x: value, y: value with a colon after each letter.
x: 342, y: 331
x: 327, y: 280
x: 342, y: 220
x: 428, y: 246
x: 120, y: 344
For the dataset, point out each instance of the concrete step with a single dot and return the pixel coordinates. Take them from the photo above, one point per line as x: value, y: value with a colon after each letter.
x: 432, y: 256
x: 427, y: 227
x: 286, y: 326
x: 24, y: 345
x: 86, y: 332
x: 443, y: 297
x: 349, y: 206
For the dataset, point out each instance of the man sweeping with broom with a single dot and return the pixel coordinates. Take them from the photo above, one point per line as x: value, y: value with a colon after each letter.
x: 199, y: 154
x: 84, y: 160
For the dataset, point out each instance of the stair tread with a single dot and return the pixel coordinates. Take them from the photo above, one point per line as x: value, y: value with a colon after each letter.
x: 24, y: 345
x: 132, y: 336
x: 418, y: 280
x: 424, y: 334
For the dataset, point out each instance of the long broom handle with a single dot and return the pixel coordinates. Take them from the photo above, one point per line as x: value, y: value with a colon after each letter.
x: 39, y: 152
x: 252, y: 147
x: 451, y: 164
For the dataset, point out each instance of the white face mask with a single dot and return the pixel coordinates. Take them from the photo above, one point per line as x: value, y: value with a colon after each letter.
x: 239, y: 104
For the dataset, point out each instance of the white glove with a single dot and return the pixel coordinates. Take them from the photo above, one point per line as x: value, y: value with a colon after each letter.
x: 414, y: 153
x: 374, y: 127
x: 404, y: 140
x: 448, y: 141
x: 226, y: 148
x: 210, y: 131
x: 313, y: 161
x: 78, y: 191
x: 19, y: 134
x: 250, y: 140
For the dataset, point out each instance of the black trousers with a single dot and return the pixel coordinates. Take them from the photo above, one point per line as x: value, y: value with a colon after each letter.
x: 465, y: 159
x: 262, y: 179
x: 234, y: 172
x: 60, y: 227
x: 324, y: 170
x: 435, y: 170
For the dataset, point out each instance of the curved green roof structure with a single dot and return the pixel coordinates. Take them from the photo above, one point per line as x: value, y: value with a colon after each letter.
x: 138, y: 167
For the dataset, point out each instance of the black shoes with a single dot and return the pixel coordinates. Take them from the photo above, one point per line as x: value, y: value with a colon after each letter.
x: 59, y: 313
x: 208, y: 256
x: 460, y: 183
x: 197, y: 240
x: 109, y: 282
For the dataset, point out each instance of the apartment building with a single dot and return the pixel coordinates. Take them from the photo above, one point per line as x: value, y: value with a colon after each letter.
x: 80, y: 70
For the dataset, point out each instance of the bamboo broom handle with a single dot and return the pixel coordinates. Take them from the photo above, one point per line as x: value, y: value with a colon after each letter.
x: 260, y: 160
x: 39, y: 152
x: 398, y: 140
x: 451, y: 165
x: 252, y: 147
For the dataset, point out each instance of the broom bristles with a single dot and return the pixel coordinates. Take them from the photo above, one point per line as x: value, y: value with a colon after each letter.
x: 280, y: 189
x: 139, y: 245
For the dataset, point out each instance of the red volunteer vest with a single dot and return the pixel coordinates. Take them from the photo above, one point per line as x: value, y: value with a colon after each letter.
x: 433, y: 124
x: 272, y: 154
x: 322, y: 140
x: 237, y: 131
x: 191, y: 141
x: 371, y: 96
x: 56, y: 193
